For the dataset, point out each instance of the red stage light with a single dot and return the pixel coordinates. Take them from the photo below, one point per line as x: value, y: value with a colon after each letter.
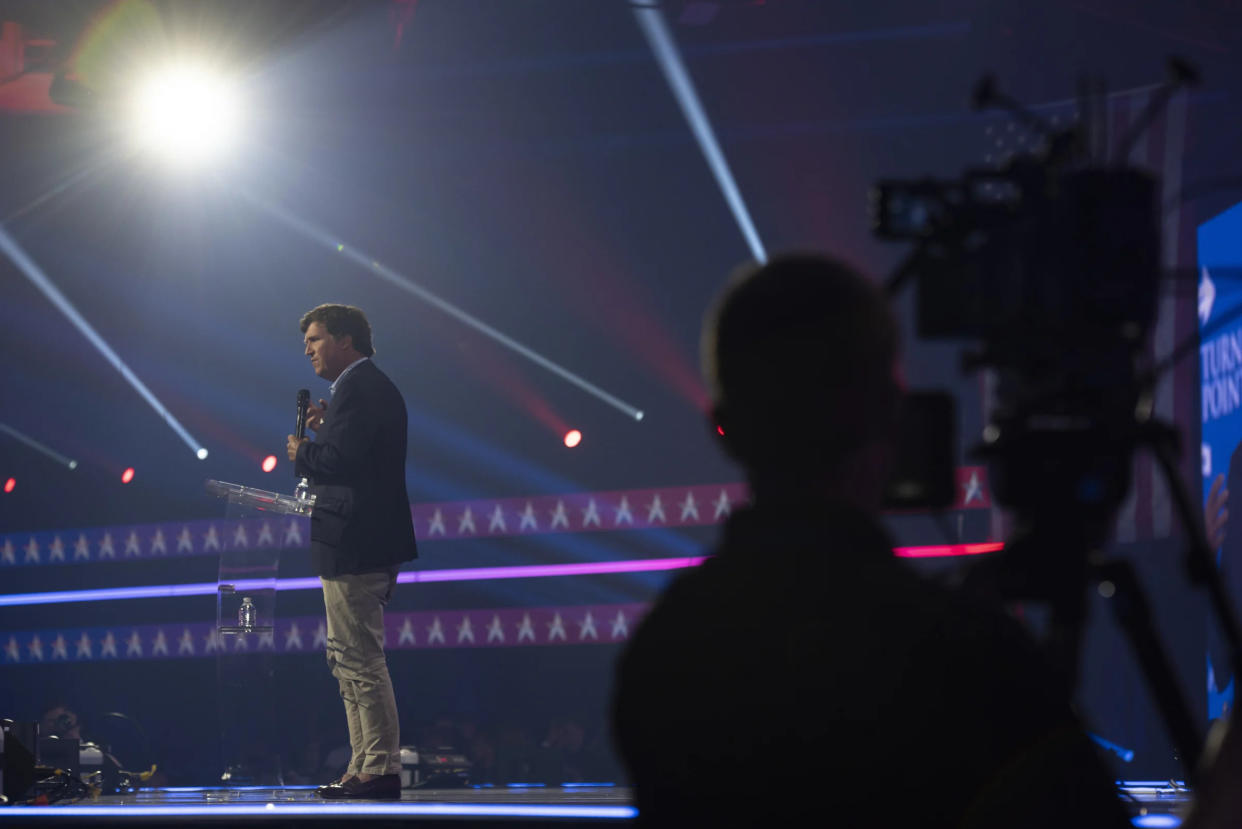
x: 10, y: 485
x: 720, y: 431
x: 127, y: 475
x: 269, y: 463
x: 572, y: 438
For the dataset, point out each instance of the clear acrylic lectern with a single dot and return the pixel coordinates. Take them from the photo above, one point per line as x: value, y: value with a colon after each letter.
x: 245, y: 631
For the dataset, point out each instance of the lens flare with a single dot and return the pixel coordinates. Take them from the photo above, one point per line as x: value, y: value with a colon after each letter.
x: 572, y: 438
x: 269, y: 463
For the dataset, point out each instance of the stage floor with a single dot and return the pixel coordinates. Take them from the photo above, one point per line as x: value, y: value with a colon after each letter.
x: 1154, y: 803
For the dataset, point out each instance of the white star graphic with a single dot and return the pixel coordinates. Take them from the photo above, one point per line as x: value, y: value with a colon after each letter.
x: 32, y: 551
x: 435, y: 632
x: 293, y: 637
x: 525, y: 629
x: 528, y: 518
x: 211, y: 541
x: 623, y: 513
x: 7, y: 554
x: 466, y: 519
x: 240, y: 643
x: 559, y: 518
x: 293, y: 533
x: 974, y: 490
x: 723, y: 506
x: 267, y: 640
x: 81, y: 548
x: 186, y: 645
x: 60, y: 648
x: 158, y: 547
x: 586, y: 628
x: 240, y: 540
x: 160, y: 646
x: 105, y: 547
x: 212, y: 641
x: 495, y: 631
x: 321, y: 636
x: 689, y: 509
x: 134, y: 648
x: 84, y: 646
x: 590, y: 515
x: 185, y: 542
x: 58, y: 550
x: 436, y: 527
x: 131, y: 544
x: 497, y: 521
x: 265, y: 535
x: 12, y: 650
x: 620, y: 626
x: 464, y: 631
x: 406, y: 636
x: 655, y: 509
x: 556, y: 628
x: 108, y: 646
x: 36, y: 647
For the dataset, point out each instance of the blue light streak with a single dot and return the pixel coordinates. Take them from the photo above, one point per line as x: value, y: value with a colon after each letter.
x: 651, y: 21
x: 40, y: 280
x: 276, y: 810
x: 38, y: 447
x: 1121, y: 751
x: 1156, y: 820
x: 321, y: 236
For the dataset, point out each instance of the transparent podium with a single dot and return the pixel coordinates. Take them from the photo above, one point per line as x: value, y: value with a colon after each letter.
x: 245, y: 632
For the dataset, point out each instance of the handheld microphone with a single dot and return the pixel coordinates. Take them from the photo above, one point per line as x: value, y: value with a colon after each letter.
x: 299, y: 430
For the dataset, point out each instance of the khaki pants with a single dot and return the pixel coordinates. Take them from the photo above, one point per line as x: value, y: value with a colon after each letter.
x: 355, y: 608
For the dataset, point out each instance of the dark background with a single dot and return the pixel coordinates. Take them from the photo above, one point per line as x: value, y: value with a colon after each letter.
x: 526, y: 161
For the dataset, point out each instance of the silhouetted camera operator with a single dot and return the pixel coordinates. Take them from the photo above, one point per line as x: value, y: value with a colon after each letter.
x: 803, y: 673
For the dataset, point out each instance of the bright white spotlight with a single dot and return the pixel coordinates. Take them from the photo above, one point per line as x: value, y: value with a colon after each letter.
x: 202, y: 454
x: 185, y: 114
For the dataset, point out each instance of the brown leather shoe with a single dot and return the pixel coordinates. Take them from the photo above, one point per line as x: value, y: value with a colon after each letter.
x: 335, y: 784
x: 384, y: 787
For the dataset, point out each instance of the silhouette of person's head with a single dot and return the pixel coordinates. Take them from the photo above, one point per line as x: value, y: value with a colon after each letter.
x: 60, y: 721
x: 801, y: 355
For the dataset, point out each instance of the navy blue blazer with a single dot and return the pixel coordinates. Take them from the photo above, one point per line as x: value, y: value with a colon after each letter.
x: 356, y: 467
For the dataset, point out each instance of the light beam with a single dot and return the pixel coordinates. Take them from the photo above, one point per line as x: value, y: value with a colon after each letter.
x: 655, y: 28
x: 316, y: 234
x: 40, y: 280
x: 38, y: 447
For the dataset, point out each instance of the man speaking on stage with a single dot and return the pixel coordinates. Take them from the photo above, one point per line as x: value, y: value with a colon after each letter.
x: 361, y: 530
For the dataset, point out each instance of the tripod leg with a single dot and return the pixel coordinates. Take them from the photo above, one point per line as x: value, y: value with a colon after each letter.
x: 1133, y: 612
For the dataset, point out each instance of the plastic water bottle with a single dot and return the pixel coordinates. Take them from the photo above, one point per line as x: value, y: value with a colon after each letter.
x: 246, y: 613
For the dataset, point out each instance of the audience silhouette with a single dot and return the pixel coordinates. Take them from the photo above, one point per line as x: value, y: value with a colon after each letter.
x: 803, y: 673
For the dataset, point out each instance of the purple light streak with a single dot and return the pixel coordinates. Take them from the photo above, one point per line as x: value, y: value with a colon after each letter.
x: 312, y: 583
x: 528, y: 571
